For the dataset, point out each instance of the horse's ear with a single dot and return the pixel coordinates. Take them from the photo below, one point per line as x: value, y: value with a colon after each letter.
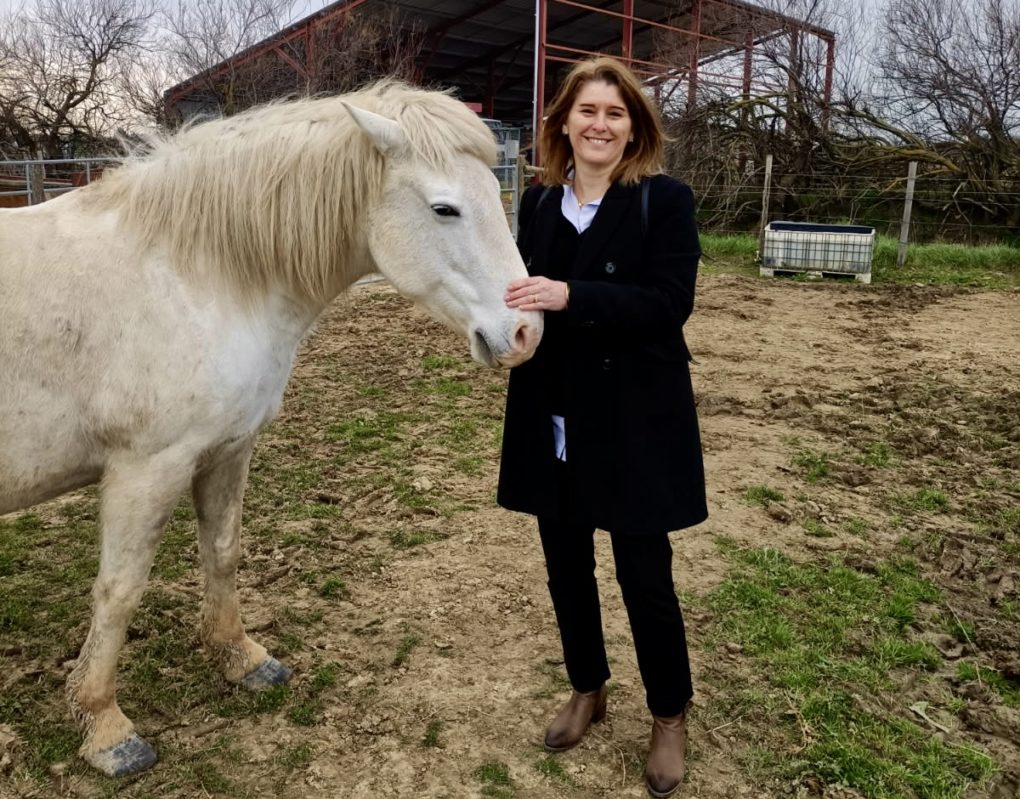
x: 386, y: 135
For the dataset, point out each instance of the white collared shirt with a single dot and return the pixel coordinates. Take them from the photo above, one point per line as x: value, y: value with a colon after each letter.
x: 581, y: 217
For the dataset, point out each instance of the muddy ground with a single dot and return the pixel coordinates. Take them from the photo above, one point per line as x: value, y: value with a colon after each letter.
x: 446, y: 651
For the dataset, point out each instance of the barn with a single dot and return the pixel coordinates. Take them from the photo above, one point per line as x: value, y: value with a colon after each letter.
x: 505, y: 57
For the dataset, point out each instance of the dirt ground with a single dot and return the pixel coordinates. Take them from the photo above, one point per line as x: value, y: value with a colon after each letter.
x: 933, y: 371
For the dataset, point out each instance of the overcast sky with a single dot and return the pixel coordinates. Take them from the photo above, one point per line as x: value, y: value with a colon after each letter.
x: 303, y: 8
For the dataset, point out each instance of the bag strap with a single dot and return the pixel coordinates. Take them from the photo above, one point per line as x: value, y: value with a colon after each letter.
x: 541, y: 198
x: 645, y: 187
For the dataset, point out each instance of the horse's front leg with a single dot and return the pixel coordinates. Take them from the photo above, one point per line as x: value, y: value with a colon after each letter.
x: 137, y: 499
x: 218, y: 491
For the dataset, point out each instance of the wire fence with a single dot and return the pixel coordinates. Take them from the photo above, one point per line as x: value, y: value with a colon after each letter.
x: 940, y: 208
x: 35, y: 181
x: 928, y: 208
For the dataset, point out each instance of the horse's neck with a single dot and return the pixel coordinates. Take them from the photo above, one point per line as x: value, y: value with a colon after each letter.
x: 284, y: 320
x: 290, y: 317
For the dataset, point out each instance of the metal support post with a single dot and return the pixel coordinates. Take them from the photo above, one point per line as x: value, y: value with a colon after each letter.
x: 692, y: 74
x: 901, y: 254
x: 628, y: 30
x: 541, y: 8
x: 765, y: 207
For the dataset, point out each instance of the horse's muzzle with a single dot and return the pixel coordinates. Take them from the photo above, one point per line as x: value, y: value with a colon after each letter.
x: 511, y: 351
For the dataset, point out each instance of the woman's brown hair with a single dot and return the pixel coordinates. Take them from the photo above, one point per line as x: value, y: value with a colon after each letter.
x: 641, y: 158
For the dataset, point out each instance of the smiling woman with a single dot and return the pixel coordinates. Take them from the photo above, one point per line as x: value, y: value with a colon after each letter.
x: 599, y: 128
x: 601, y: 430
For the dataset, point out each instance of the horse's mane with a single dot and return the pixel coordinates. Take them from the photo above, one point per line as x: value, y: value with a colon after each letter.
x: 273, y: 195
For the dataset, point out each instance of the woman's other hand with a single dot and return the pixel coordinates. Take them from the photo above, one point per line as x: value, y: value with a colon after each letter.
x: 537, y: 294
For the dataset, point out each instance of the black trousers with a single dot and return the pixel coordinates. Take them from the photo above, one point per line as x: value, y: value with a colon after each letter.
x: 644, y: 572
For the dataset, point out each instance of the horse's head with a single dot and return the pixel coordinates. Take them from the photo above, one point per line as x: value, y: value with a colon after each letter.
x: 440, y: 237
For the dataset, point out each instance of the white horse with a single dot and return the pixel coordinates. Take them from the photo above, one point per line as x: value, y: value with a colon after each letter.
x: 149, y: 323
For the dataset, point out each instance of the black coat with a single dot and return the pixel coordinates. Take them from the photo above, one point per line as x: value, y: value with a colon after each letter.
x: 634, y: 460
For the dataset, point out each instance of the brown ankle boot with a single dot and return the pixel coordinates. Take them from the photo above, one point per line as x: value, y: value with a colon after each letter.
x: 667, y: 754
x: 571, y: 723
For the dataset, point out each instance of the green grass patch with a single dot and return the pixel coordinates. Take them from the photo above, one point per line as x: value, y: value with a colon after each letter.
x: 325, y: 676
x: 360, y: 435
x: 743, y: 246
x: 305, y: 713
x: 1008, y: 521
x: 962, y: 631
x: 550, y: 767
x: 431, y: 737
x: 333, y: 588
x: 762, y: 495
x: 923, y: 500
x: 987, y: 266
x: 416, y: 538
x: 856, y: 526
x: 295, y: 757
x: 46, y: 572
x: 404, y: 650
x: 821, y: 637
x: 431, y: 363
x: 241, y: 702
x: 814, y: 466
x: 1007, y: 689
x: 451, y: 388
x: 495, y: 779
x: 815, y: 528
x: 472, y: 465
x: 877, y: 455
x: 460, y: 434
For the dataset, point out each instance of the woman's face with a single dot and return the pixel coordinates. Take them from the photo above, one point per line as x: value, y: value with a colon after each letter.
x: 599, y: 126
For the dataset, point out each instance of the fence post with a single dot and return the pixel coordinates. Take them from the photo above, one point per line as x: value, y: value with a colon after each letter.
x: 35, y: 183
x: 901, y: 255
x: 765, y: 206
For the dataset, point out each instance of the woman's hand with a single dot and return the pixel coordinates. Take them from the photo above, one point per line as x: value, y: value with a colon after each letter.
x: 537, y: 294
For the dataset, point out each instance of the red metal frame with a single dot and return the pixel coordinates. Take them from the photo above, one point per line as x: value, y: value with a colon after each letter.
x: 761, y: 25
x: 546, y: 51
x: 692, y: 72
x: 830, y: 64
x: 305, y: 29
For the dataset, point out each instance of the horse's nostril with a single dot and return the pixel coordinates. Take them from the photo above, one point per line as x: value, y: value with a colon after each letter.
x: 483, y: 345
x: 521, y: 338
x: 526, y: 336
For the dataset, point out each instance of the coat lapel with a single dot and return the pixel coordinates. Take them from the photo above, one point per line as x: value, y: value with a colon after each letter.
x: 612, y: 210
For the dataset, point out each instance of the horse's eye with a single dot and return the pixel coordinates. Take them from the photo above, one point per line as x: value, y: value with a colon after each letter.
x: 445, y: 210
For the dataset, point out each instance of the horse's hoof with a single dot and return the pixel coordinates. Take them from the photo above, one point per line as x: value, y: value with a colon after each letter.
x: 130, y: 756
x: 271, y: 672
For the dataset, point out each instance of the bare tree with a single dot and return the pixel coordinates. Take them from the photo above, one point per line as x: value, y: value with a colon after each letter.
x: 58, y: 72
x: 952, y: 75
x: 787, y: 108
x: 339, y: 53
x: 204, y: 33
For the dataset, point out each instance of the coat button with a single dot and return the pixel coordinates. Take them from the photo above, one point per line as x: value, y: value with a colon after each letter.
x: 610, y: 267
